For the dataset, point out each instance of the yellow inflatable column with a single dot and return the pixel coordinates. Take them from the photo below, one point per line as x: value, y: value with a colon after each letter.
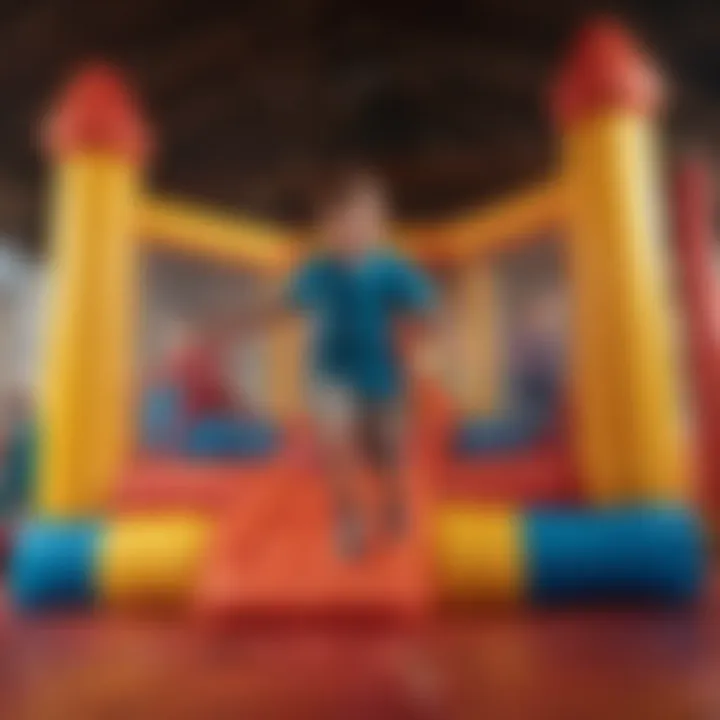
x: 479, y: 343
x: 97, y: 143
x: 628, y: 420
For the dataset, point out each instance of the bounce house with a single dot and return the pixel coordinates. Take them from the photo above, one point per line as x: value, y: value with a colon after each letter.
x: 597, y: 503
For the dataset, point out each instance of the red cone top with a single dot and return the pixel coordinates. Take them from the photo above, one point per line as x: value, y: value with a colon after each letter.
x: 97, y: 111
x: 605, y: 71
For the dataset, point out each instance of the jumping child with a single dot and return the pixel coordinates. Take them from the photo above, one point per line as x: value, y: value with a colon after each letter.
x: 356, y: 292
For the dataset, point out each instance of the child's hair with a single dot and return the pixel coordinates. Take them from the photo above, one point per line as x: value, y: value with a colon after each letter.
x: 340, y: 186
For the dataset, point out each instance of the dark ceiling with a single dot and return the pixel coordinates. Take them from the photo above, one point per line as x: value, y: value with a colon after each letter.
x: 447, y: 97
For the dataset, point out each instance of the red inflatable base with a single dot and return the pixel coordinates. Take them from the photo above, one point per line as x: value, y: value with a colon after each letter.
x: 171, y: 483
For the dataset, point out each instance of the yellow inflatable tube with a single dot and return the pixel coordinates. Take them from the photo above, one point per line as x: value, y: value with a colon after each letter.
x: 479, y: 554
x: 152, y: 559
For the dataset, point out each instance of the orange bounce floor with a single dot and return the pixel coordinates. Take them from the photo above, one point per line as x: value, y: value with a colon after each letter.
x: 274, y: 554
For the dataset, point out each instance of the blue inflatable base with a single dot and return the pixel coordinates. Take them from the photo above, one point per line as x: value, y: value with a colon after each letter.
x: 231, y: 438
x: 652, y: 554
x: 220, y: 437
x: 53, y: 565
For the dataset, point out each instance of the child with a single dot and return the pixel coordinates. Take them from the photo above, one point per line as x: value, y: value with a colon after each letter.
x: 192, y: 365
x: 197, y: 367
x: 356, y: 291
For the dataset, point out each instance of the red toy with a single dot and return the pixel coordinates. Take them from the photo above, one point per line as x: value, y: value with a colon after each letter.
x: 198, y: 372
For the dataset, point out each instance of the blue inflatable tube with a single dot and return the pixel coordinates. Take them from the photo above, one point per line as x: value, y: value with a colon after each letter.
x: 217, y: 438
x: 654, y: 554
x: 165, y: 429
x: 53, y: 565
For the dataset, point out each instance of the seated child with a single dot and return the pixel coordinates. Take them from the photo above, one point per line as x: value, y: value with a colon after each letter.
x: 197, y: 366
x: 356, y: 292
x: 193, y: 363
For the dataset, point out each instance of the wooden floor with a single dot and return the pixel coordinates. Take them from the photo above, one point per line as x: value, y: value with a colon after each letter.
x: 637, y: 664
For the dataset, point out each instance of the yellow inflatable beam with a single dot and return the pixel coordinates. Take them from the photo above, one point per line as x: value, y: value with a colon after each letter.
x: 505, y: 224
x: 193, y: 229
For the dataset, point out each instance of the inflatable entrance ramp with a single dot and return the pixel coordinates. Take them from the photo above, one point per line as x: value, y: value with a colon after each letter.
x: 276, y: 556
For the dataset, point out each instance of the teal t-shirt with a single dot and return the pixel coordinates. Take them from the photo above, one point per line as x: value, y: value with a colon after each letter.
x: 354, y: 305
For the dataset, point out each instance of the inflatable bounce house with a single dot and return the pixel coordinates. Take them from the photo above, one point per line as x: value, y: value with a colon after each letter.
x: 598, y: 502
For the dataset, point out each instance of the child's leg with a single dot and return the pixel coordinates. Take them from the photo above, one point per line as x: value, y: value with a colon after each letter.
x: 382, y: 438
x: 336, y: 418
